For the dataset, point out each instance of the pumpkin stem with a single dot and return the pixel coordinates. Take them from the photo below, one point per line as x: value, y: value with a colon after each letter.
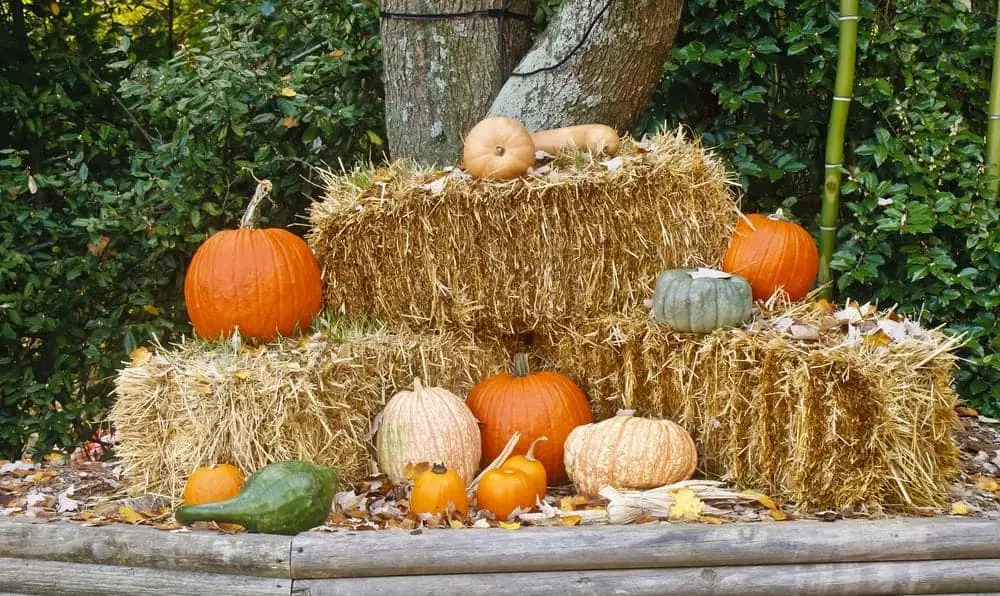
x: 625, y: 413
x: 263, y: 189
x: 417, y: 385
x: 530, y: 455
x: 438, y: 468
x: 521, y: 368
x: 499, y: 150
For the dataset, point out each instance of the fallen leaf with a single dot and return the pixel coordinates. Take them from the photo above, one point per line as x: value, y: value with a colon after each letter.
x: 336, y: 53
x: 139, y: 357
x: 966, y: 411
x: 65, y: 502
x: 12, y: 467
x: 243, y: 375
x: 436, y: 187
x: 37, y: 499
x: 987, y: 483
x: 150, y: 309
x: 570, y: 503
x: 53, y: 457
x: 825, y: 306
x: 291, y: 121
x: 288, y: 92
x: 959, y: 508
x: 414, y: 469
x: 130, y: 515
x: 570, y: 520
x: 711, y: 519
x: 481, y: 523
x: 877, y: 339
x: 170, y: 525
x: 510, y: 525
x: 804, y: 332
x: 687, y: 506
x: 456, y: 524
x: 613, y: 164
x: 776, y: 513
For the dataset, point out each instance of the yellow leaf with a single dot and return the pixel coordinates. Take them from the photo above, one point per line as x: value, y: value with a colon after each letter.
x: 150, y: 309
x: 131, y: 515
x: 570, y: 503
x: 51, y: 457
x: 139, y: 357
x: 243, y: 375
x: 511, y: 525
x: 776, y: 513
x: 570, y: 520
x: 54, y: 7
x: 877, y: 339
x: 203, y: 387
x: 711, y: 519
x: 414, y: 469
x: 987, y: 484
x: 687, y: 506
x: 290, y: 121
x: 959, y: 508
x: 456, y: 524
x: 337, y: 53
x: 288, y: 92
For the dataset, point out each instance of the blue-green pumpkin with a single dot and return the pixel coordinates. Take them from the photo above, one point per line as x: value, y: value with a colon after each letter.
x: 701, y: 300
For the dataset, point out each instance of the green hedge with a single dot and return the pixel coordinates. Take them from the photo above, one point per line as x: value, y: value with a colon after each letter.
x: 755, y: 78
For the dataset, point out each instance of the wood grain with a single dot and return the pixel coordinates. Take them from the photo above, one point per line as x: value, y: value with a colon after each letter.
x: 242, y: 554
x: 361, y: 554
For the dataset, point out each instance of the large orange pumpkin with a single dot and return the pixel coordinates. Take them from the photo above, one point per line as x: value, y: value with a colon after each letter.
x: 535, y: 404
x: 211, y: 484
x: 499, y: 148
x: 265, y: 282
x: 772, y: 253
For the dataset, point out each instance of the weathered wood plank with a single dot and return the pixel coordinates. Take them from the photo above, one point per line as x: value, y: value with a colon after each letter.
x: 32, y: 576
x: 360, y: 554
x: 243, y: 554
x: 905, y: 577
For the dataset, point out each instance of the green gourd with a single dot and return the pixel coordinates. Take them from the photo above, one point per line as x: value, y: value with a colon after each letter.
x: 701, y: 300
x: 285, y: 497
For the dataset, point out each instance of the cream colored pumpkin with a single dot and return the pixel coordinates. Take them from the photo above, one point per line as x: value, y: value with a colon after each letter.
x: 428, y: 424
x: 628, y: 452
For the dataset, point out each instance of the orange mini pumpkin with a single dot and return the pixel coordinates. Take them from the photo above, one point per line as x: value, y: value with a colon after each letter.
x: 436, y: 488
x: 531, y: 467
x: 535, y: 404
x: 498, y: 148
x: 772, y: 253
x: 265, y: 282
x: 502, y: 490
x: 211, y: 484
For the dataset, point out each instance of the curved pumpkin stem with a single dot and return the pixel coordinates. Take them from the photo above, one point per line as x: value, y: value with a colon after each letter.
x: 263, y: 189
x: 778, y: 215
x: 438, y: 468
x: 530, y: 455
x: 521, y: 368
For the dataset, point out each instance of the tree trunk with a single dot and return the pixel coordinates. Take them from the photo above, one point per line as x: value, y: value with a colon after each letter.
x: 441, y: 75
x: 608, y: 79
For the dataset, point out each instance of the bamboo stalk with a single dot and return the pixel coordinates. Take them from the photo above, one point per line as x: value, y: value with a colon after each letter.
x: 843, y: 90
x: 993, y: 126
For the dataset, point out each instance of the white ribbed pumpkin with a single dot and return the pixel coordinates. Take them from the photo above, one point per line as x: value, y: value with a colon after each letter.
x: 428, y: 424
x: 628, y: 452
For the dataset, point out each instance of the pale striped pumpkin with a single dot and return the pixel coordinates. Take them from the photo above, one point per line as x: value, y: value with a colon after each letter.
x: 628, y: 452
x: 428, y: 424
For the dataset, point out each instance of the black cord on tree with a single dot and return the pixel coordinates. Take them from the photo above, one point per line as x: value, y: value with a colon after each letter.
x: 500, y: 14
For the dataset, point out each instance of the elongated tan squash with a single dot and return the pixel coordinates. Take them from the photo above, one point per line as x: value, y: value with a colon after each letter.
x: 593, y: 138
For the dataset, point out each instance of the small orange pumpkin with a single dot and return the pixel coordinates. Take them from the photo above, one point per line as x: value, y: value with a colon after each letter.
x: 772, y: 253
x: 499, y: 148
x: 266, y: 282
x: 531, y: 467
x: 436, y: 488
x: 534, y: 404
x: 502, y: 490
x: 210, y: 484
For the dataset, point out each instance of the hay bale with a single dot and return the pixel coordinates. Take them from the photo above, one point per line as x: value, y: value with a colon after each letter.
x: 445, y: 250
x: 848, y: 420
x: 312, y: 398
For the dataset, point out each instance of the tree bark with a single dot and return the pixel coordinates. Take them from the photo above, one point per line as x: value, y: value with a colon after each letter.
x: 609, y: 78
x: 441, y: 75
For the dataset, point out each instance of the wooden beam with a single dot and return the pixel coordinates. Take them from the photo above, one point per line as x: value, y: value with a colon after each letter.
x: 904, y: 577
x: 243, y: 554
x: 358, y: 554
x: 72, y: 579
